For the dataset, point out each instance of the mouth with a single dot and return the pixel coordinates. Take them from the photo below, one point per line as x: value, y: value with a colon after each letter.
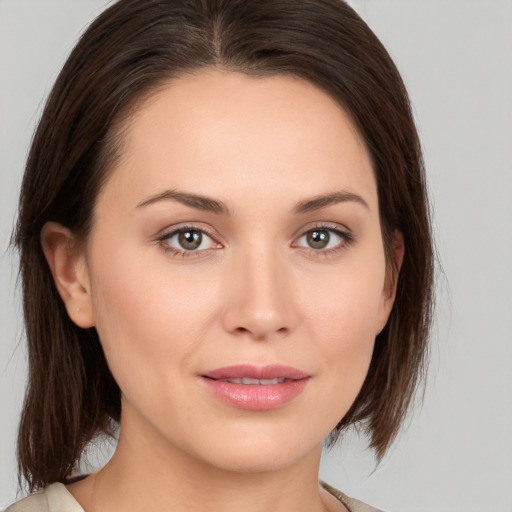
x: 251, y: 373
x: 247, y: 381
x: 256, y: 388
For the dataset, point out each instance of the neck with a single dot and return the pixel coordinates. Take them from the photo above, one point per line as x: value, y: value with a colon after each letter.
x: 147, y: 473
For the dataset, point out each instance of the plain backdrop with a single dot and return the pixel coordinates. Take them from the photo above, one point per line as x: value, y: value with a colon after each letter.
x: 456, y: 59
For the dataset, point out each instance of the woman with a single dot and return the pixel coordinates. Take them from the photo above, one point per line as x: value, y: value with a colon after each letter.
x: 225, y: 253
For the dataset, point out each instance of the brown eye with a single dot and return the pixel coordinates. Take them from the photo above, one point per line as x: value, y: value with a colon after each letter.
x: 190, y: 240
x: 318, y: 238
x: 324, y: 239
x: 186, y: 240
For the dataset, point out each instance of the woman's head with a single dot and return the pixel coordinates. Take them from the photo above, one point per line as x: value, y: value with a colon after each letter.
x: 139, y: 54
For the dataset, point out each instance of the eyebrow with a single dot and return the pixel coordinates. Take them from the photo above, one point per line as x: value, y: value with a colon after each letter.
x: 188, y: 199
x: 209, y: 204
x: 322, y: 201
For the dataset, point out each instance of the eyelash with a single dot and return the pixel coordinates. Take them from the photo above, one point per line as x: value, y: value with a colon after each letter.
x: 346, y: 239
x: 164, y: 242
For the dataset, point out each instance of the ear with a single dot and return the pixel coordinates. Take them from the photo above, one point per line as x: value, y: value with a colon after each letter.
x: 70, y: 273
x: 391, y: 281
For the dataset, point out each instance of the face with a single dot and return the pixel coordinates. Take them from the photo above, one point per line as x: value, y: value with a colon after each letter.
x: 235, y: 271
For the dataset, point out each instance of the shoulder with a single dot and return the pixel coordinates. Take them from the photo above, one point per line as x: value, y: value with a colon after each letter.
x: 35, y: 503
x: 352, y: 504
x: 55, y: 498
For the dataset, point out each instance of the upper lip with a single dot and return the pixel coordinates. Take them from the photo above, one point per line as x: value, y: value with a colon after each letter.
x: 272, y: 371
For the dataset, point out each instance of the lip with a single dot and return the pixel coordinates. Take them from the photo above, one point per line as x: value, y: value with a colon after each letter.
x: 256, y: 397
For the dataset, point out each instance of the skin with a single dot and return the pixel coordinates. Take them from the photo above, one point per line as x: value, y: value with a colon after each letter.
x: 255, y: 292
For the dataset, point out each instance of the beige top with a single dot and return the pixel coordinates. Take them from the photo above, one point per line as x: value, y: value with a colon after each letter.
x: 56, y: 498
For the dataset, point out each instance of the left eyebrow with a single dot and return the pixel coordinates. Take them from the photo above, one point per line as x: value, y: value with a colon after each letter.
x: 322, y: 201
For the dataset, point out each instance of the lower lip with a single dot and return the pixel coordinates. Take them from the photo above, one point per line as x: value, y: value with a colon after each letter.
x: 256, y: 397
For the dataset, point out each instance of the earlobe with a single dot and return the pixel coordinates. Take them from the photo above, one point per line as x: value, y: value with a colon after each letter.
x: 69, y: 272
x: 389, y: 291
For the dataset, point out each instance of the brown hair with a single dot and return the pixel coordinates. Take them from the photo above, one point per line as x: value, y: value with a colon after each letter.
x: 129, y: 50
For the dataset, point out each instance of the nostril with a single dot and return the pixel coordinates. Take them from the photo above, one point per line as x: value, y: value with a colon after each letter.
x: 259, y: 316
x: 261, y: 334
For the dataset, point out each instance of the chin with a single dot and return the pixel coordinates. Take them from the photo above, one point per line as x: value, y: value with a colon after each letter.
x: 256, y: 452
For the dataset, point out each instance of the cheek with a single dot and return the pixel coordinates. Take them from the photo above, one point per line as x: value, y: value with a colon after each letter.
x: 346, y: 301
x: 148, y: 321
x: 343, y: 316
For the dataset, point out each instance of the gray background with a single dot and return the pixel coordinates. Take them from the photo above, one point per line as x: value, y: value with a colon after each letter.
x: 456, y: 59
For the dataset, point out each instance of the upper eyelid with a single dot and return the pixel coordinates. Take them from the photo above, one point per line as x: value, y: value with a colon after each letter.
x: 170, y: 231
x: 212, y: 233
x: 346, y: 235
x: 167, y: 235
x: 327, y: 225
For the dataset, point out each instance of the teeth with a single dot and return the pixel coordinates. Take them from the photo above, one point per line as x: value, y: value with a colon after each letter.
x: 268, y: 382
x: 246, y: 380
x: 254, y: 382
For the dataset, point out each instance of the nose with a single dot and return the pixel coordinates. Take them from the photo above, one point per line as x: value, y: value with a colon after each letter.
x: 259, y: 302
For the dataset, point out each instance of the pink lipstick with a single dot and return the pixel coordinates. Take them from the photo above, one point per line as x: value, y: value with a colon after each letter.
x: 256, y: 388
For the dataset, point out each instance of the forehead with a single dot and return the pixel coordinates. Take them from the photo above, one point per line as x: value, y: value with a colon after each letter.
x: 213, y: 130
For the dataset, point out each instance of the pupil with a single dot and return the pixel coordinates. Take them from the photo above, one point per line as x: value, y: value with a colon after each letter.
x: 318, y: 239
x: 190, y: 240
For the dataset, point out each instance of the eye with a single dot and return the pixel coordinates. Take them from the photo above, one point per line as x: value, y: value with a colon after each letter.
x: 323, y: 239
x: 188, y: 240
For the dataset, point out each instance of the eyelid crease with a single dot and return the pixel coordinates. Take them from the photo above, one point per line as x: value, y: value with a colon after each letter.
x: 328, y: 226
x: 171, y: 231
x: 337, y: 232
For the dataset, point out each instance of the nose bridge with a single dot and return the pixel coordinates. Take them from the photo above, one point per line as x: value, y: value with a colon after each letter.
x: 258, y: 304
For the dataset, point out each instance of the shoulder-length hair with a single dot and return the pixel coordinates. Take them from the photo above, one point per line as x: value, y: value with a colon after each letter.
x: 129, y: 51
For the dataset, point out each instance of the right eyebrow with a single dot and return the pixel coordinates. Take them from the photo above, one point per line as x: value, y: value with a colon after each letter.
x: 188, y: 199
